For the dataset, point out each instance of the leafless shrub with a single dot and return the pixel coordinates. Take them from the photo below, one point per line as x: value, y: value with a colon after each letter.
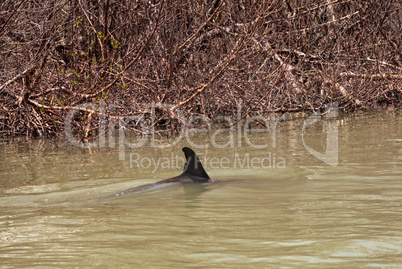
x: 202, y: 58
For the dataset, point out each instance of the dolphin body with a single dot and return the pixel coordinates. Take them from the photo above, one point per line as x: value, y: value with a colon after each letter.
x: 193, y: 173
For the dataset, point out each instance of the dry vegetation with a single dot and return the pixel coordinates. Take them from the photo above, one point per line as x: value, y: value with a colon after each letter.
x: 204, y: 58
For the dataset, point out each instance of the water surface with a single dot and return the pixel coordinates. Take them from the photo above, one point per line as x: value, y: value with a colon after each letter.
x: 287, y: 209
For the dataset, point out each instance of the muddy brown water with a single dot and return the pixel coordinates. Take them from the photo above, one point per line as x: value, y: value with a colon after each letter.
x: 274, y: 207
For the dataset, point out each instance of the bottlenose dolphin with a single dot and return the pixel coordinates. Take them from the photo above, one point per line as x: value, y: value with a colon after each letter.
x: 193, y: 173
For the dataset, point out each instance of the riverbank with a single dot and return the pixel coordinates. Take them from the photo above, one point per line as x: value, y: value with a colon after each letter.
x: 167, y: 65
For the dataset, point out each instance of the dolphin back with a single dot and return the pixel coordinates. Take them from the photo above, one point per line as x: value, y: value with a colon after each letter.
x: 193, y: 173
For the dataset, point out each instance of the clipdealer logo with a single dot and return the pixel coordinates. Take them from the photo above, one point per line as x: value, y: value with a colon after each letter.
x: 238, y: 136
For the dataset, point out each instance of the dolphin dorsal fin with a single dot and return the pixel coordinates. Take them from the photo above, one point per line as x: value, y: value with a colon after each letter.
x: 193, y: 167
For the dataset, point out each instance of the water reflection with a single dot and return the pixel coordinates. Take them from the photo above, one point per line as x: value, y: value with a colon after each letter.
x: 306, y: 214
